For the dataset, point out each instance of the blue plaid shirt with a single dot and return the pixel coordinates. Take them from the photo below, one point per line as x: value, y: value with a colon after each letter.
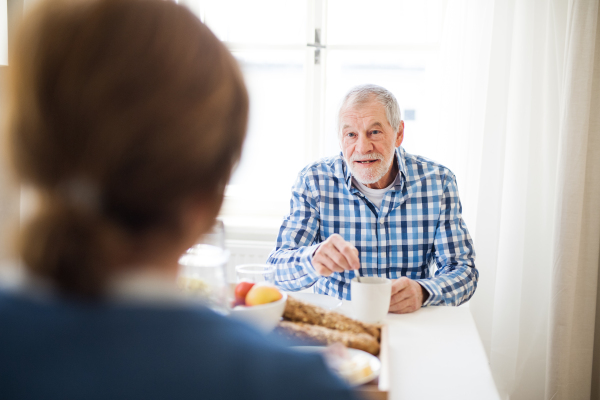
x: 419, y: 223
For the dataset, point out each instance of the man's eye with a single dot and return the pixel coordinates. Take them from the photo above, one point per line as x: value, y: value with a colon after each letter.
x: 375, y: 132
x: 350, y: 134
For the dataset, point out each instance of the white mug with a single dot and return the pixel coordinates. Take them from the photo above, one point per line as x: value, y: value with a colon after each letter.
x: 371, y: 298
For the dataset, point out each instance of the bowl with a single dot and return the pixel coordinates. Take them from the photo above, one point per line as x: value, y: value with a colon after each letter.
x: 263, y: 316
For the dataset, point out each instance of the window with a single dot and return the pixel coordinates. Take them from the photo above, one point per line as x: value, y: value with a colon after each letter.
x: 3, y: 33
x: 299, y: 58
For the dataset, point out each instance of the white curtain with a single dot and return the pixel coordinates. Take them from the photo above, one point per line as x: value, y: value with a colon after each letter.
x: 573, y: 316
x: 514, y: 225
x: 518, y: 73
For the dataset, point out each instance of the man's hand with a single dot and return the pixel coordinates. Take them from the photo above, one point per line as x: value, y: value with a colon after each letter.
x: 335, y: 255
x: 407, y: 296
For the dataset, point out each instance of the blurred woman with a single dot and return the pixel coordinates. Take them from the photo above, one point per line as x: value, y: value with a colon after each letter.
x: 127, y: 117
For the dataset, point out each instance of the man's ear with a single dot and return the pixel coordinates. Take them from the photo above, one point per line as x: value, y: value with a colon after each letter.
x: 400, y: 134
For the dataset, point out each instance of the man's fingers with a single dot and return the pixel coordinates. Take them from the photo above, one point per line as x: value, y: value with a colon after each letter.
x: 347, y: 250
x: 408, y: 299
x: 351, y: 254
x: 331, y: 264
x: 400, y: 296
x: 400, y: 308
x: 336, y: 255
x: 337, y: 258
x: 322, y: 257
x: 321, y: 269
x: 405, y: 306
x: 400, y: 284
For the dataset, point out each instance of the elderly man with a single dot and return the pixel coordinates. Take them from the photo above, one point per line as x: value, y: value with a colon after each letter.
x: 376, y: 210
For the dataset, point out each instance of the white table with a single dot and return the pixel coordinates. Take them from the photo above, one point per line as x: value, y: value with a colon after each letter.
x: 436, y: 353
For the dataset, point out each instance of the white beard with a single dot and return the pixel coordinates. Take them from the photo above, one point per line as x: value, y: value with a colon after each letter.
x: 373, y: 174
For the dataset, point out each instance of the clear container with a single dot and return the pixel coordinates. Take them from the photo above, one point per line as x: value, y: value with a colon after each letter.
x: 255, y: 273
x: 202, y: 275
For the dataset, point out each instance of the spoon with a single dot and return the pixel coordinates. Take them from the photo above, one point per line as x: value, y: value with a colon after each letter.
x: 358, y: 278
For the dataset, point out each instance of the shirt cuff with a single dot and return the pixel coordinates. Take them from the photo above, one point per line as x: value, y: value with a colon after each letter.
x: 306, y: 258
x: 435, y: 292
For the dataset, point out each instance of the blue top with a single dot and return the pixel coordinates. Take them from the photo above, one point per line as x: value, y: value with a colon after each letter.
x: 418, y: 224
x: 71, y: 350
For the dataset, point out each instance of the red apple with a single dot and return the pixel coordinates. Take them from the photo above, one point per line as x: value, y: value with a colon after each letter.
x: 241, y: 290
x: 238, y: 302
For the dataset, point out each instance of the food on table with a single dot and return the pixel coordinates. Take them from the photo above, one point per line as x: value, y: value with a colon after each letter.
x: 327, y: 336
x: 194, y: 286
x: 300, y: 311
x: 241, y: 290
x: 238, y: 302
x: 310, y: 323
x: 306, y: 321
x: 262, y: 294
x: 351, y: 367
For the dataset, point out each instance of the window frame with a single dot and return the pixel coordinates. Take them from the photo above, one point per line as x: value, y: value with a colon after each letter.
x: 265, y: 214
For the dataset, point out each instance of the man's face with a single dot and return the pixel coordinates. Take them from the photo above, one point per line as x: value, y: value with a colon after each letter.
x: 368, y: 142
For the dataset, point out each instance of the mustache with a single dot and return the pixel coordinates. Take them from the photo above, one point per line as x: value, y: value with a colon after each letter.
x: 363, y: 157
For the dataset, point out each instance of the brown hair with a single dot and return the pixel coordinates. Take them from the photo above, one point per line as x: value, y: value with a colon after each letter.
x: 121, y: 110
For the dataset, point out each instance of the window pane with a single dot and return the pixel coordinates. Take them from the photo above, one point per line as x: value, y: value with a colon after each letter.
x: 409, y: 76
x: 275, y: 141
x: 3, y: 33
x: 257, y: 21
x: 384, y: 21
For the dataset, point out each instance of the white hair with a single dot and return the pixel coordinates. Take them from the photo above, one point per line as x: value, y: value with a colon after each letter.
x: 363, y: 93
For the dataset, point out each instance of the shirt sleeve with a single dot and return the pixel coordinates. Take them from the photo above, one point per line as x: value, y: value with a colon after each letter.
x: 298, y: 240
x: 456, y: 277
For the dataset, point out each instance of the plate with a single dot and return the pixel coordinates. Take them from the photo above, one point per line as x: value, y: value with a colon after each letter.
x: 373, y: 362
x: 321, y: 300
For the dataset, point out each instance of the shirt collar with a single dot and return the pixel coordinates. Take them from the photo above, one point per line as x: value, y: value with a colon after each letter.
x: 144, y: 287
x: 135, y: 287
x: 400, y: 155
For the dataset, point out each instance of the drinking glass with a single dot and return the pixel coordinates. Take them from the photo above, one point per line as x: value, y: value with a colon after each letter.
x: 255, y: 273
x: 202, y: 269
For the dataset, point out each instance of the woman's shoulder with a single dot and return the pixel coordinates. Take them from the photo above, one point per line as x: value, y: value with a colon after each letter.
x: 193, y: 346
